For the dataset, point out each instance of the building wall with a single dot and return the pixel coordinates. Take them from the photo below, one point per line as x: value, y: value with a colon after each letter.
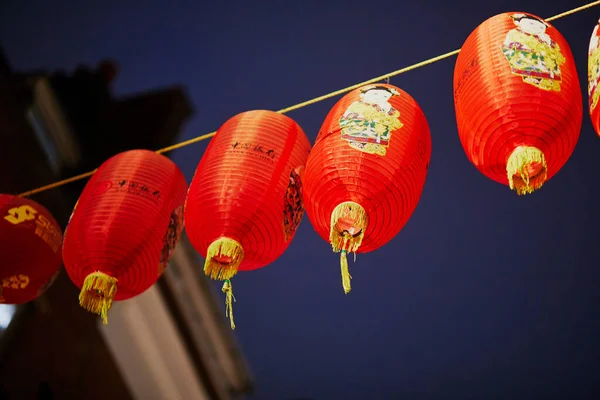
x: 56, y: 344
x: 53, y: 349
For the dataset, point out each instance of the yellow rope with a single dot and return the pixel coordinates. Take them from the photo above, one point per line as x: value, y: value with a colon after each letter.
x: 59, y: 183
x: 573, y: 11
x: 303, y: 104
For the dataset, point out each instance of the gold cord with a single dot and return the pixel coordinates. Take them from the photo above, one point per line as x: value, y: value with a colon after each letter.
x: 303, y: 104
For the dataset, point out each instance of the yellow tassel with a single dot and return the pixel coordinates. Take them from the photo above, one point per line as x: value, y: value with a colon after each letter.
x: 523, y: 176
x: 352, y: 237
x: 97, y: 294
x: 230, y: 298
x: 223, y: 247
x: 345, y: 273
x: 347, y: 238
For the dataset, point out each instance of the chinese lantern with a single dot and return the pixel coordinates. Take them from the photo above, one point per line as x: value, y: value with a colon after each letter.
x: 30, y: 241
x: 594, y: 77
x: 518, y: 102
x: 367, y: 169
x: 245, y: 200
x: 124, y: 228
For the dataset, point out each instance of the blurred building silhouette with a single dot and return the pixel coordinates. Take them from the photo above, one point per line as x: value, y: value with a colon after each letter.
x: 172, y: 342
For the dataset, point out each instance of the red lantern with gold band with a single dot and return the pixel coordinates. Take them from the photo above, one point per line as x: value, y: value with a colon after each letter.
x: 594, y: 77
x: 124, y: 228
x: 245, y: 200
x: 30, y: 244
x: 367, y: 169
x: 518, y: 101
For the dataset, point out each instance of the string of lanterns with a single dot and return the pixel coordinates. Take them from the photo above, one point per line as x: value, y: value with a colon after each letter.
x: 518, y: 110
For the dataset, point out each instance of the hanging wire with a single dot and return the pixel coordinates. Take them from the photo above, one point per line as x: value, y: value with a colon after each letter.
x: 384, y: 77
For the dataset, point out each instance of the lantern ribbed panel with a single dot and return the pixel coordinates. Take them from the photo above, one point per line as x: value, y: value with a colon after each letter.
x: 126, y: 222
x: 504, y: 102
x: 247, y: 186
x: 594, y: 78
x: 387, y: 187
x: 30, y: 244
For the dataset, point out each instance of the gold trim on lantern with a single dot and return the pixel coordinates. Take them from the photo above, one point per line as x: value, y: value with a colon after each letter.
x: 223, y: 247
x: 347, y: 241
x: 97, y: 294
x: 519, y: 178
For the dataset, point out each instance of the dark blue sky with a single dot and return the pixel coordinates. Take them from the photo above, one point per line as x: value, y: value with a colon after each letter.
x: 483, y: 295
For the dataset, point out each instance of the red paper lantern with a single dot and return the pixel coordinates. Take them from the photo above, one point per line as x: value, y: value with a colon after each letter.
x: 245, y: 200
x: 30, y: 241
x: 594, y: 77
x: 367, y: 169
x: 124, y: 228
x: 518, y: 102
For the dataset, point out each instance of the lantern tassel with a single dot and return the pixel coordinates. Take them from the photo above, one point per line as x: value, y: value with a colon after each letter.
x: 345, y: 272
x: 223, y: 258
x: 229, y: 299
x: 347, y: 230
x: 97, y: 294
x: 526, y: 169
x: 353, y: 236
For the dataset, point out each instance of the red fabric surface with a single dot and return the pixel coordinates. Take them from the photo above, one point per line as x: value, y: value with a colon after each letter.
x: 127, y: 221
x: 247, y: 185
x: 388, y: 187
x: 30, y: 241
x: 497, y: 110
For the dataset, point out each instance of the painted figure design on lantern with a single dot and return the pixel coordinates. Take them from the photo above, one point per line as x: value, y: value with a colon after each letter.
x: 293, y: 207
x: 171, y: 238
x: 368, y: 123
x: 532, y: 54
x: 594, y: 68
